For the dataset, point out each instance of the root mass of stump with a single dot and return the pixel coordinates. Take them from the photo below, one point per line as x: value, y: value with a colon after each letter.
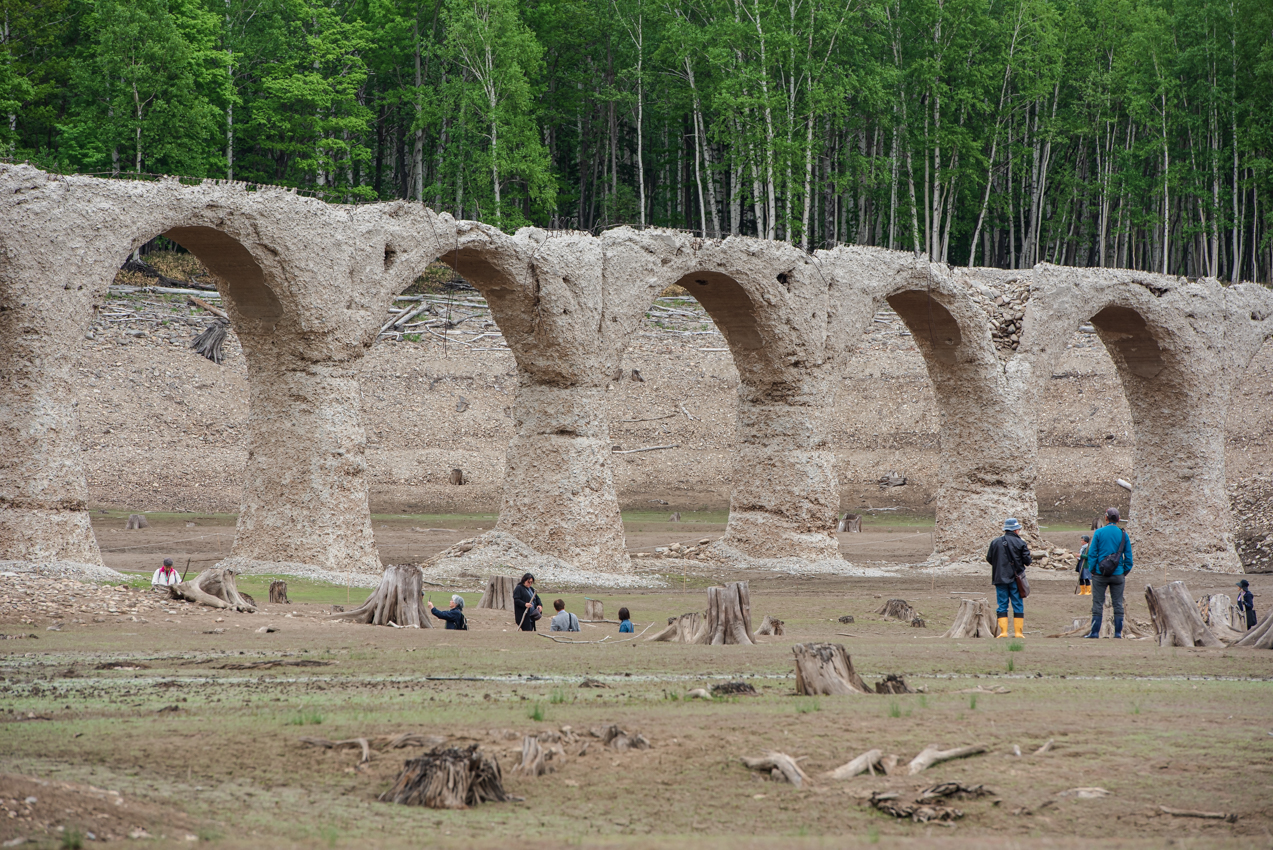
x: 825, y: 669
x: 214, y: 587
x: 396, y: 601
x: 449, y: 778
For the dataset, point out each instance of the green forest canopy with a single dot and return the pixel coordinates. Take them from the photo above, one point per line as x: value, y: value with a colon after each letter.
x: 1129, y: 133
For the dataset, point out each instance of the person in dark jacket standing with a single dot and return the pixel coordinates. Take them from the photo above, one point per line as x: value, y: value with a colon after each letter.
x: 1008, y: 556
x: 1246, y: 601
x: 454, y: 615
x: 1106, y: 542
x: 1085, y: 575
x: 526, y: 604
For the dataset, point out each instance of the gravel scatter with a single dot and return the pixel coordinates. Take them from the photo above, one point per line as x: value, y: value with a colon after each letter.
x: 500, y: 553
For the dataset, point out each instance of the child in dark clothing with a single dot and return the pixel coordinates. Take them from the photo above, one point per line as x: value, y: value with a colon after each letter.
x: 1246, y: 601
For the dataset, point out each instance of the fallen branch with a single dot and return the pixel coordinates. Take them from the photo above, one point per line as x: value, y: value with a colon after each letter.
x: 864, y: 763
x: 650, y: 418
x: 931, y: 755
x: 204, y: 305
x: 618, y: 451
x: 1227, y: 817
x: 778, y: 765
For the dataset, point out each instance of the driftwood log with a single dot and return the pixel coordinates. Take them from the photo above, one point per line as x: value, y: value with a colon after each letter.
x: 727, y: 621
x: 594, y: 610
x: 136, y: 522
x: 779, y: 766
x: 932, y: 755
x: 770, y: 626
x: 214, y: 587
x: 1261, y: 637
x: 865, y: 763
x: 973, y: 620
x: 1176, y: 617
x: 397, y: 601
x: 278, y: 593
x: 897, y: 609
x: 449, y: 778
x: 498, y: 594
x: 825, y: 669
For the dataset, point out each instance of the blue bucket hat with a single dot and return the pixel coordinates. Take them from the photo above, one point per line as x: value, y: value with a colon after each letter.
x: 1011, y: 524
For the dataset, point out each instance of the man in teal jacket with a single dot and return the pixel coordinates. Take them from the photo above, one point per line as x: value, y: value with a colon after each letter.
x: 1106, y: 541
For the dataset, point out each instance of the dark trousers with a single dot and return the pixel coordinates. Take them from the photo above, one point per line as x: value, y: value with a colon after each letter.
x: 1116, y: 585
x: 1006, y: 592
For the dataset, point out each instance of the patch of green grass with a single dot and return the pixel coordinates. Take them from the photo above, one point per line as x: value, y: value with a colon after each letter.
x: 1135, y: 708
x: 894, y: 709
x: 923, y: 700
x: 306, y: 718
x: 972, y: 702
x: 1015, y: 646
x: 536, y: 712
x: 558, y: 696
x: 808, y: 706
x: 329, y: 834
x: 72, y: 839
x: 872, y: 834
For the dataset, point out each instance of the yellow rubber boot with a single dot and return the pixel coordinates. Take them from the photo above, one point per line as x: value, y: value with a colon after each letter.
x: 1087, y: 590
x: 1003, y: 627
x: 1018, y: 624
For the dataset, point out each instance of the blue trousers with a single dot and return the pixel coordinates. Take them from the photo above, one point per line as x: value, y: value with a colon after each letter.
x: 1004, y: 592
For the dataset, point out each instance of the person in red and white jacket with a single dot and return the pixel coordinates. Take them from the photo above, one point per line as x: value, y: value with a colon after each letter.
x: 165, y: 576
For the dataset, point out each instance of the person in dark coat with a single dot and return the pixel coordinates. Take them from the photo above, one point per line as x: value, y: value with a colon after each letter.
x: 1246, y: 601
x: 1008, y: 556
x: 526, y: 605
x: 1085, y: 575
x: 454, y: 615
x: 1106, y: 542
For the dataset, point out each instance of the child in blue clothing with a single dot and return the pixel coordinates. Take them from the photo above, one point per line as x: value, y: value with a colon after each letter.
x: 625, y: 621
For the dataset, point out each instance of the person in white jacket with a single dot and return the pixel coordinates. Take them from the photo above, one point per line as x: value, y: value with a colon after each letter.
x: 165, y: 576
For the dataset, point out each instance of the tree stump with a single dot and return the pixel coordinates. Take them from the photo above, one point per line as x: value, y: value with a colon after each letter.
x: 278, y: 593
x: 851, y: 523
x: 973, y: 620
x: 897, y: 609
x: 728, y: 615
x: 1261, y: 637
x: 676, y: 517
x: 137, y: 521
x: 770, y: 626
x: 534, y: 758
x: 593, y: 610
x: 448, y: 778
x: 682, y: 629
x: 214, y: 587
x: 457, y: 476
x: 1176, y: 617
x: 825, y: 669
x: 498, y: 594
x: 893, y: 683
x: 397, y: 600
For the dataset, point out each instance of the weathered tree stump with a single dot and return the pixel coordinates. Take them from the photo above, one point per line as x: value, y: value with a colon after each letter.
x: 825, y: 669
x: 498, y: 594
x: 728, y: 615
x: 397, y: 600
x: 1261, y: 637
x: 676, y: 517
x: 593, y: 610
x: 770, y: 626
x: 682, y: 629
x: 448, y: 778
x: 851, y: 523
x: 208, y: 344
x: 278, y: 593
x: 534, y: 758
x: 214, y: 587
x: 456, y: 477
x: 893, y: 683
x: 1226, y: 620
x: 137, y: 521
x: 973, y: 620
x: 727, y: 621
x: 897, y: 609
x: 1176, y: 617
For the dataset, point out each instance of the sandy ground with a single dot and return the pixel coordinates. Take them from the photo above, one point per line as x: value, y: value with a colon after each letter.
x: 156, y: 702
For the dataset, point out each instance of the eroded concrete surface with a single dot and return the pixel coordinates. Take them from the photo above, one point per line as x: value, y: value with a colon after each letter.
x: 307, y: 285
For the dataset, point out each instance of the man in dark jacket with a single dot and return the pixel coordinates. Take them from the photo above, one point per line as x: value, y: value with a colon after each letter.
x: 1008, y: 556
x: 1106, y: 542
x: 526, y: 605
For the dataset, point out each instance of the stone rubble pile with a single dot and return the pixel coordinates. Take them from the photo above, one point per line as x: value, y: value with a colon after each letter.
x: 692, y: 551
x: 1252, y: 502
x: 1005, y: 305
x: 1055, y: 558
